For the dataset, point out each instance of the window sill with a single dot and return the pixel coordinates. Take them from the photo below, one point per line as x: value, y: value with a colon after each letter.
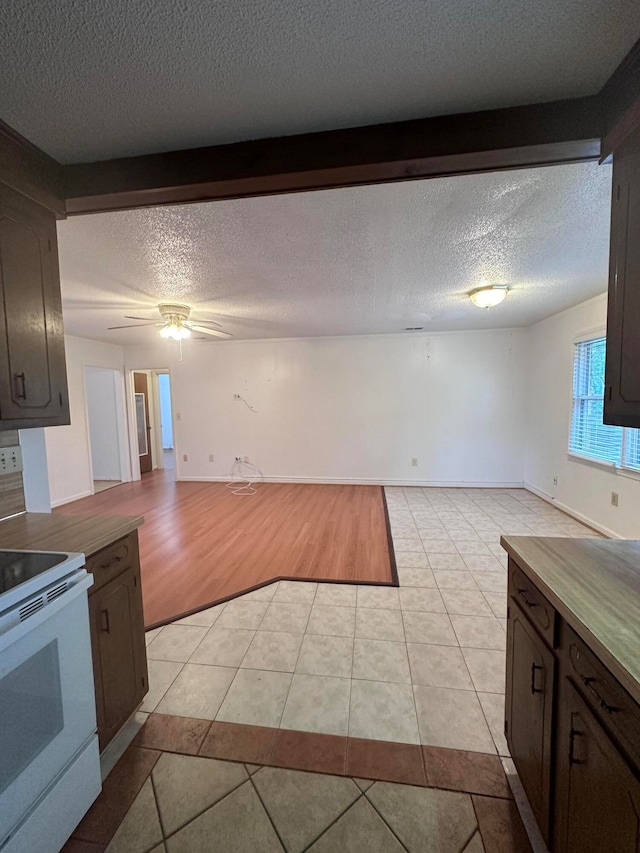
x: 629, y: 472
x: 600, y: 463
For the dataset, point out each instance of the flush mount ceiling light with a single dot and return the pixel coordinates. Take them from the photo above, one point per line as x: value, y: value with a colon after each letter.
x: 488, y: 296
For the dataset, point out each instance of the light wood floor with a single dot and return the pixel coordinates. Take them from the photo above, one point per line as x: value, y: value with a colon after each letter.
x: 201, y: 544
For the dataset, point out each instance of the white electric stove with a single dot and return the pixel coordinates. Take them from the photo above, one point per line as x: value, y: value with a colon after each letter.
x: 50, y: 765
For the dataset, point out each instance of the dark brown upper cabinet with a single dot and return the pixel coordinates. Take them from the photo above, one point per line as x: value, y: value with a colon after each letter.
x: 622, y: 382
x: 33, y: 377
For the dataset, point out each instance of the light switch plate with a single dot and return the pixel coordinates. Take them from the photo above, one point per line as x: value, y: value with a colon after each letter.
x: 10, y: 460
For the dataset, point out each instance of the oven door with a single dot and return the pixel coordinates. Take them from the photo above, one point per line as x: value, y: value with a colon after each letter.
x: 47, y: 704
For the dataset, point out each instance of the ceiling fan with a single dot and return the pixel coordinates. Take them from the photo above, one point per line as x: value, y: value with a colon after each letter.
x: 175, y: 323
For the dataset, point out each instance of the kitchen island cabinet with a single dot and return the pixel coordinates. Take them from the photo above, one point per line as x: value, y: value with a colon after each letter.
x: 110, y: 545
x: 572, y: 718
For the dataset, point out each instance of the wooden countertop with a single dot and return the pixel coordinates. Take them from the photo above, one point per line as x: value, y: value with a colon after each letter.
x: 595, y: 586
x: 41, y: 531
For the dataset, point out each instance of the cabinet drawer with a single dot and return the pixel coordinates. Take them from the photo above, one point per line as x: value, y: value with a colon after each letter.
x: 109, y: 562
x: 613, y: 706
x: 533, y: 603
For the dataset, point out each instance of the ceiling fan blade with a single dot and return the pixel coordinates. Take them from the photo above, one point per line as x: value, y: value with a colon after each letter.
x: 129, y: 317
x: 214, y: 332
x: 207, y: 323
x: 133, y: 326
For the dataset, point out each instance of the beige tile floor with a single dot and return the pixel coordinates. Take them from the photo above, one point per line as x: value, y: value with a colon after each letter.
x: 424, y: 663
x: 196, y: 805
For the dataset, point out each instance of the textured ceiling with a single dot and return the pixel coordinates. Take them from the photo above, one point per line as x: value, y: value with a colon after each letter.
x: 349, y: 261
x: 93, y: 79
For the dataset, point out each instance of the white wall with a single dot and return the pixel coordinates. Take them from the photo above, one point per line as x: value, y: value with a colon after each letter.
x: 583, y: 487
x: 102, y: 412
x: 355, y: 409
x: 34, y: 474
x: 473, y: 407
x: 68, y: 456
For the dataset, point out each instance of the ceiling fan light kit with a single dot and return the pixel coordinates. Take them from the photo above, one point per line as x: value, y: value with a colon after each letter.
x: 175, y: 325
x: 489, y: 295
x: 176, y: 331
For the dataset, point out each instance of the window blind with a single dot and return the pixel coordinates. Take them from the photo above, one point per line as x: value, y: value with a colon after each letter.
x: 589, y: 435
x: 631, y: 457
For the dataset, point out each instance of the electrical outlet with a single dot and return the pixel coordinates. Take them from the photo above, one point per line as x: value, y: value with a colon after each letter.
x: 237, y: 397
x: 414, y: 461
x: 185, y: 458
x: 245, y: 458
x: 10, y: 459
x: 211, y: 457
x: 238, y: 459
x: 555, y: 481
x: 614, y: 499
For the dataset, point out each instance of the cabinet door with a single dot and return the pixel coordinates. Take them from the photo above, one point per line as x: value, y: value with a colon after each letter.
x: 119, y: 656
x: 622, y: 382
x: 33, y: 387
x: 529, y: 709
x: 598, y: 800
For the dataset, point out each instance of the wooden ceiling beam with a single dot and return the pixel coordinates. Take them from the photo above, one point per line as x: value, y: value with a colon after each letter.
x: 515, y: 137
x: 28, y: 170
x: 620, y: 98
x: 578, y: 129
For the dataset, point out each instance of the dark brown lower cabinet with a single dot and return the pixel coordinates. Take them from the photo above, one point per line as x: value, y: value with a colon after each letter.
x: 598, y: 795
x: 529, y: 707
x: 572, y: 729
x: 117, y: 636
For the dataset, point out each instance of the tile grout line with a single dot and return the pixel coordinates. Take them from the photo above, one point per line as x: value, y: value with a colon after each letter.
x: 353, y: 659
x: 391, y: 830
x: 210, y: 806
x: 266, y: 810
x: 284, y: 706
x: 157, y: 803
x: 475, y: 812
x: 226, y: 693
x: 169, y: 686
x: 335, y: 820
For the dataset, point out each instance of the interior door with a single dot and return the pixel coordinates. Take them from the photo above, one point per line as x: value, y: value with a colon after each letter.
x: 143, y: 424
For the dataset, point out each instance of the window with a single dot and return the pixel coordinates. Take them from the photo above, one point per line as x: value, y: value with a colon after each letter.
x: 589, y: 436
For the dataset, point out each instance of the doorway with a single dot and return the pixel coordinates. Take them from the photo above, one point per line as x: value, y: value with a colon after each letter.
x: 143, y: 422
x: 105, y: 413
x: 166, y: 423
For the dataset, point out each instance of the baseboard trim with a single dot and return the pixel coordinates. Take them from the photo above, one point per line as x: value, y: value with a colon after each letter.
x: 69, y: 500
x: 366, y: 481
x: 599, y: 528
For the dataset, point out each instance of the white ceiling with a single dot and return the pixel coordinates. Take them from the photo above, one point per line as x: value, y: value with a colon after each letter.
x: 103, y: 78
x: 363, y: 260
